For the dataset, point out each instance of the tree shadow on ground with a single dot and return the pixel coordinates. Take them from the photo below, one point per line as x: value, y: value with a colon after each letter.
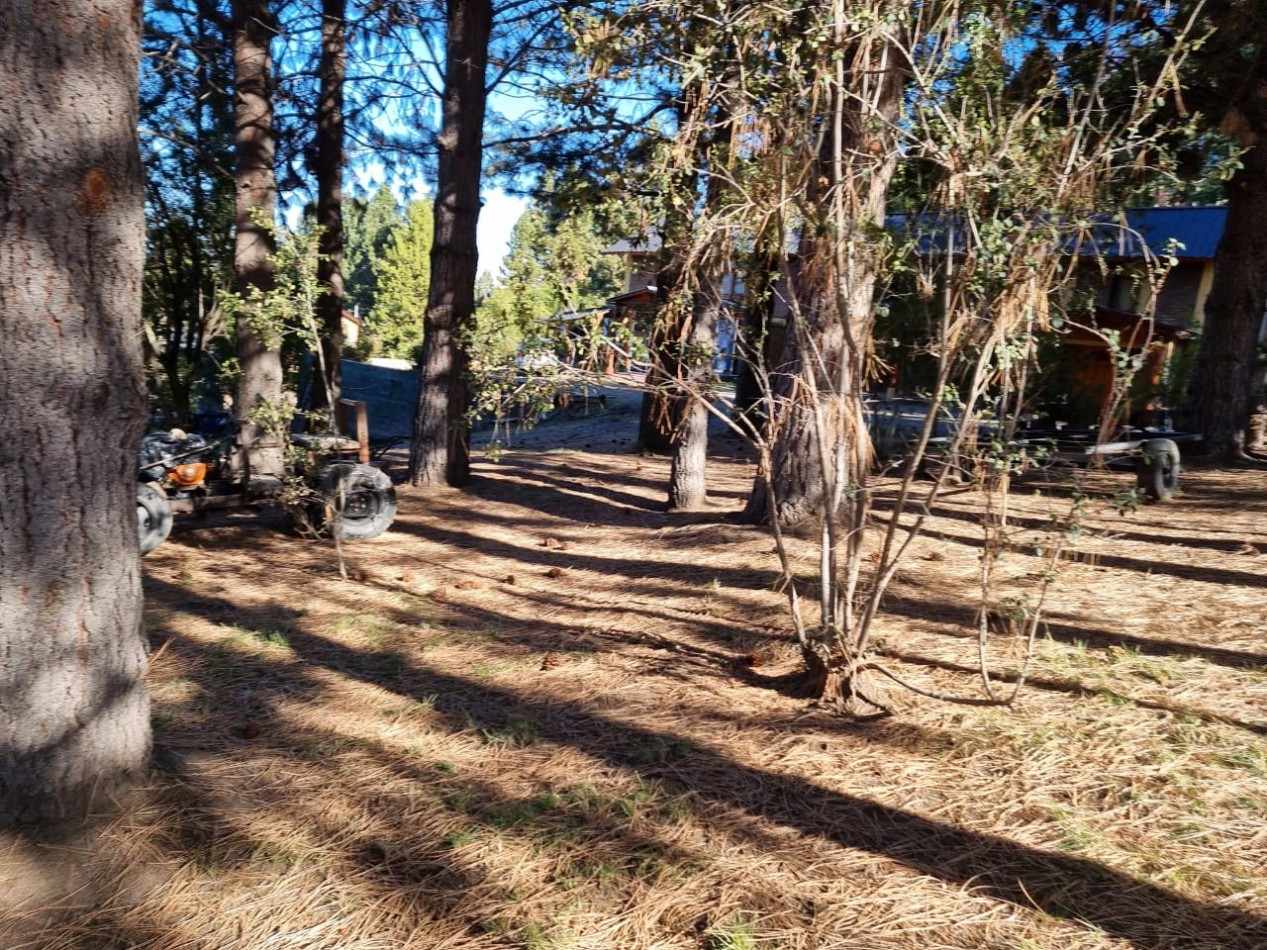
x: 964, y: 616
x: 1058, y: 884
x: 1118, y: 904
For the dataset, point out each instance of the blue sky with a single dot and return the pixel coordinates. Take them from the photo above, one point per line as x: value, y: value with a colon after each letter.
x: 497, y: 220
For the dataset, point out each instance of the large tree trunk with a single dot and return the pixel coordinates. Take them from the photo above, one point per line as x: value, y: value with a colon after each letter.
x: 441, y: 437
x: 760, y: 348
x: 1220, y: 394
x: 330, y: 197
x: 75, y: 720
x: 661, y: 408
x: 819, y: 384
x: 259, y: 354
x: 688, y: 487
x: 800, y: 483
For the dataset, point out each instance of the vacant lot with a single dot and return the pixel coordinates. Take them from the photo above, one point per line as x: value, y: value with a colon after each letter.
x: 543, y: 713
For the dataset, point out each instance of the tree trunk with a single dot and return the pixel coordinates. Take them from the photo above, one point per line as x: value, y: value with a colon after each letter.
x: 1220, y: 394
x: 259, y: 353
x: 662, y: 408
x: 759, y: 346
x: 441, y: 437
x: 659, y: 413
x: 75, y: 721
x: 829, y: 333
x: 800, y: 484
x: 330, y: 197
x: 688, y: 488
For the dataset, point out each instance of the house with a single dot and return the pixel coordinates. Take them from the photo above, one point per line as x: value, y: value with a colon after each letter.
x: 1111, y: 286
x: 631, y: 310
x: 1115, y: 282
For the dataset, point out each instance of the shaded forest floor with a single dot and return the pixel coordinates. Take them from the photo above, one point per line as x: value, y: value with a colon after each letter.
x: 544, y: 713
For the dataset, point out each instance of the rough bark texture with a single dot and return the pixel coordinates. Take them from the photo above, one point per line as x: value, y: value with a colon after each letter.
x: 825, y: 352
x: 1220, y: 397
x: 330, y: 196
x: 757, y: 331
x: 688, y: 487
x: 74, y: 710
x: 661, y: 408
x: 258, y: 353
x: 798, y: 477
x: 1230, y: 86
x: 441, y: 436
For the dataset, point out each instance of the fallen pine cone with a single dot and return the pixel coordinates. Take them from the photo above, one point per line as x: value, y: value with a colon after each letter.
x: 555, y: 572
x: 510, y: 579
x: 551, y: 661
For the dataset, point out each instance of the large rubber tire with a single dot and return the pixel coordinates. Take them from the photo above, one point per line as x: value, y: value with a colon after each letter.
x: 153, y: 517
x: 1157, y: 469
x: 359, y: 499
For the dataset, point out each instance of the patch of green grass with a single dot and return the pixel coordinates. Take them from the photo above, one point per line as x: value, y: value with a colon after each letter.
x: 1113, y: 698
x: 1249, y: 803
x: 656, y: 750
x: 642, y: 794
x: 271, y: 637
x: 459, y: 839
x: 537, y: 937
x: 1250, y: 758
x: 603, y: 872
x: 517, y: 731
x: 737, y: 932
x: 459, y: 800
x: 372, y: 627
x: 1075, y: 837
x: 523, y: 812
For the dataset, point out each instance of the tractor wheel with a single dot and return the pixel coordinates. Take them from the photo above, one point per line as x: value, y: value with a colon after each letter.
x: 1157, y: 469
x: 153, y: 517
x: 359, y: 500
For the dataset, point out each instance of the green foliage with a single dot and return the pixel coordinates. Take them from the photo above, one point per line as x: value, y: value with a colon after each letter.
x: 738, y: 932
x: 367, y: 227
x: 403, y: 277
x: 555, y: 265
x: 189, y: 206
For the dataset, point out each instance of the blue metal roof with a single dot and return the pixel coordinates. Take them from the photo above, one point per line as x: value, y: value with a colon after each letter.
x: 1191, y: 233
x: 1194, y: 232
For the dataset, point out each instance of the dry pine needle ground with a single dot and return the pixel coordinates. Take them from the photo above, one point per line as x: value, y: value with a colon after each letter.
x: 544, y: 714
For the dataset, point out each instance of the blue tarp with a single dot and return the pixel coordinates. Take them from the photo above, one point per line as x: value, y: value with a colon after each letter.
x: 390, y: 396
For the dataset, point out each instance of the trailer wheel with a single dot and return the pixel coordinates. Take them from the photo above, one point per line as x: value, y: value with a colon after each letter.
x: 359, y: 500
x: 1157, y: 469
x: 153, y: 517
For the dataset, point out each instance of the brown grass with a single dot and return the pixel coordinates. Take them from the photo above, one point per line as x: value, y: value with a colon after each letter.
x: 546, y: 714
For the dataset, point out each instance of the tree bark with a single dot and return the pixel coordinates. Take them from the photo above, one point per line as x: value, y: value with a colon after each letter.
x: 688, y: 487
x: 1220, y: 394
x: 1230, y: 86
x: 441, y: 436
x: 259, y: 354
x: 330, y: 196
x: 760, y: 349
x: 75, y: 720
x: 829, y: 334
